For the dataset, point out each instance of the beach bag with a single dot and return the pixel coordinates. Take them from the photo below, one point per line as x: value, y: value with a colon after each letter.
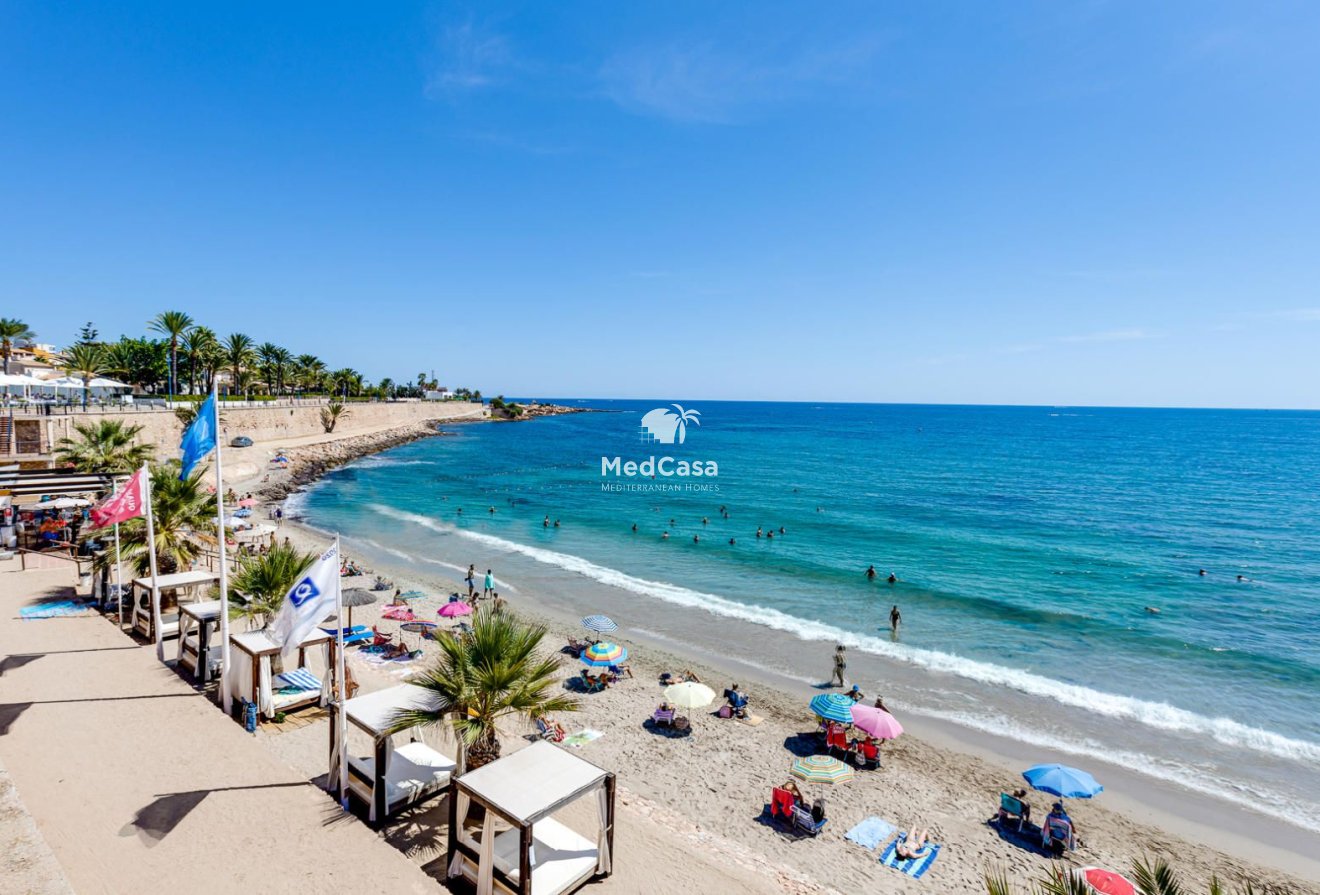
x: 726, y: 711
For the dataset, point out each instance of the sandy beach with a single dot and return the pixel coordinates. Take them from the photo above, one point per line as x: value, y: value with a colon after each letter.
x: 709, y: 789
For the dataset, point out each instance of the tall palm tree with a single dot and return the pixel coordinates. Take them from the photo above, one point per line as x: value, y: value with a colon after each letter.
x: 238, y: 354
x: 104, y: 446
x: 86, y: 362
x: 496, y: 672
x: 283, y: 360
x: 11, y: 331
x: 310, y: 370
x: 172, y: 325
x: 259, y: 585
x: 195, y: 343
x: 347, y: 381
x: 183, y: 514
x: 268, y: 355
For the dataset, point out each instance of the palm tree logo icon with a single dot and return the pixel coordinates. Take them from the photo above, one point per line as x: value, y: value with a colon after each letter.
x: 667, y: 427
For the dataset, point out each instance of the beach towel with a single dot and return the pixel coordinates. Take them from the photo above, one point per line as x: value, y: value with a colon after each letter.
x: 871, y: 832
x: 298, y: 679
x: 52, y: 610
x: 752, y: 720
x: 915, y: 867
x: 582, y: 737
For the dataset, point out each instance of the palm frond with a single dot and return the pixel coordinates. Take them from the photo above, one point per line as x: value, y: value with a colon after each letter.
x: 1154, y: 876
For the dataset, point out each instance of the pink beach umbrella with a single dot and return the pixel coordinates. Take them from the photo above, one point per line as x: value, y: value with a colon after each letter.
x: 454, y: 609
x: 1106, y: 882
x: 876, y: 722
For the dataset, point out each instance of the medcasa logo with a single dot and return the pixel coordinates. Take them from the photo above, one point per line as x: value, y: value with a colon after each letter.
x: 663, y: 425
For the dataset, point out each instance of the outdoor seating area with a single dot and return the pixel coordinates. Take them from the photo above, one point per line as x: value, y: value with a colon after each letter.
x: 520, y: 847
x: 391, y: 777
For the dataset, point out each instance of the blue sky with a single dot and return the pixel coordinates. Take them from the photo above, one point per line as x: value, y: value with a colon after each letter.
x: 1085, y: 203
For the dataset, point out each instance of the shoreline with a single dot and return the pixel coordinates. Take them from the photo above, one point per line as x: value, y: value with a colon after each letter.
x: 1167, y: 815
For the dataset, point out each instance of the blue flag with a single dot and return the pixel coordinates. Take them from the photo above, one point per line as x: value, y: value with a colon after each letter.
x: 199, y: 438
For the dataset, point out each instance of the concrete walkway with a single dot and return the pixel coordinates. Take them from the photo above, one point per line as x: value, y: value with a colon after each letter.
x: 137, y: 783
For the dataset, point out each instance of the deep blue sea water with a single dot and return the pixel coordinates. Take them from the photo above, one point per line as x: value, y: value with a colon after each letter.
x: 1028, y: 543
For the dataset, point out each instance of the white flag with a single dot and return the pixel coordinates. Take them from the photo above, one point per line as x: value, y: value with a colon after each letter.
x: 308, y: 603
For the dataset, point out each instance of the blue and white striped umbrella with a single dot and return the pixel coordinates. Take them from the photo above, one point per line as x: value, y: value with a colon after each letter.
x: 599, y: 623
x: 833, y: 707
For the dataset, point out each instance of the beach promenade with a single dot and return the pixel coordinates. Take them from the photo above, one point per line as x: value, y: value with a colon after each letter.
x: 137, y: 783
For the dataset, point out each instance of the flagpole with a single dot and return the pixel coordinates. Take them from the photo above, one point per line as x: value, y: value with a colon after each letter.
x: 119, y: 569
x: 226, y: 698
x: 341, y: 710
x: 151, y: 555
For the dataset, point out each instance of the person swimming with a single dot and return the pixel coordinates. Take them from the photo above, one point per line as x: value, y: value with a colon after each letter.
x: 871, y: 573
x: 696, y: 539
x: 732, y: 541
x: 665, y: 536
x: 893, y: 579
x: 634, y: 526
x: 759, y: 531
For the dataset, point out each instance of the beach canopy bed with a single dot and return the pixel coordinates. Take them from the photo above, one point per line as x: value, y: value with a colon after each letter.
x: 537, y: 855
x: 250, y: 674
x: 163, y: 600
x: 392, y: 777
x: 199, y: 638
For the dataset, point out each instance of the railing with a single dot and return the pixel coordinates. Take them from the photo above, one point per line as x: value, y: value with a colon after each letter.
x: 161, y: 405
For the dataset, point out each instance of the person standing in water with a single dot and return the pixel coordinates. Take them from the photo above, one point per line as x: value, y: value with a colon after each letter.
x: 895, y: 619
x: 871, y: 573
x: 840, y: 665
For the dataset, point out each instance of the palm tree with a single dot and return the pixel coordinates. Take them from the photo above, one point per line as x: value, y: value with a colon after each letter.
x: 347, y: 381
x: 259, y: 585
x: 238, y: 354
x: 105, y: 446
x: 330, y: 415
x: 283, y: 360
x: 479, y: 679
x: 310, y: 370
x: 1153, y: 876
x: 182, y: 510
x: 172, y: 324
x: 86, y: 362
x: 387, y: 387
x: 196, y: 342
x: 267, y: 355
x: 12, y: 330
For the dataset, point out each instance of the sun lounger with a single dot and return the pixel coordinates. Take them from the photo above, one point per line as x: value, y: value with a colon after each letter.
x: 298, y: 679
x: 1057, y: 835
x: 1011, y: 809
x: 354, y: 635
x: 663, y: 717
x: 594, y: 684
x: 802, y: 820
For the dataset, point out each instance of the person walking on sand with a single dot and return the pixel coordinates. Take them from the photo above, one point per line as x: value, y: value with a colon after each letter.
x: 471, y: 579
x: 840, y: 665
x: 489, y: 587
x: 895, y: 619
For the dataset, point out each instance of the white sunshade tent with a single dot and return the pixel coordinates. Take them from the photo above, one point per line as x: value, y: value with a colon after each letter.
x: 100, y: 386
x: 22, y: 383
x: 393, y: 777
x: 199, y: 646
x: 251, y: 675
x: 538, y: 855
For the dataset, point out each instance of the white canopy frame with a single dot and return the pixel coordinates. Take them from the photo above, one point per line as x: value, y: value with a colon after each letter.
x: 163, y: 600
x: 250, y: 675
x: 393, y: 777
x: 538, y: 855
x: 200, y: 649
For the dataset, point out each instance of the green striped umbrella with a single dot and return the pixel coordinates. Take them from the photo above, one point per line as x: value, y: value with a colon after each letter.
x: 820, y: 769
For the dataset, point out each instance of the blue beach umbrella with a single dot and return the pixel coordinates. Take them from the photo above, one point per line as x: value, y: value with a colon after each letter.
x: 603, y: 654
x: 1062, y: 781
x: 833, y: 707
x: 599, y: 623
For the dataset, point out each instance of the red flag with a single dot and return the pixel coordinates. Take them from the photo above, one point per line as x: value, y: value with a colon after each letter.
x: 121, y: 506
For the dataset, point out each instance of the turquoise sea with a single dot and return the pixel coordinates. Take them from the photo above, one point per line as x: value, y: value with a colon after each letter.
x: 1048, y: 561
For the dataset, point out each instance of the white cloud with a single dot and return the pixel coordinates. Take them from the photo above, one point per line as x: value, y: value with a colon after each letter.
x: 470, y: 58
x: 1112, y: 335
x: 701, y: 82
